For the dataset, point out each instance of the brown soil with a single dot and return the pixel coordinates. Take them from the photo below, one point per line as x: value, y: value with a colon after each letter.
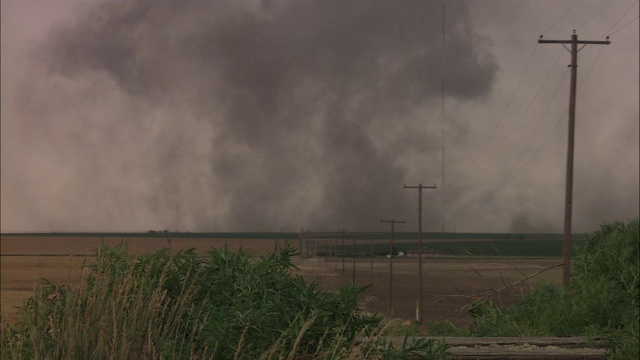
x: 450, y: 284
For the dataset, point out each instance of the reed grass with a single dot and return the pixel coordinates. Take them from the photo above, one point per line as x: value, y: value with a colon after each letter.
x: 225, y: 305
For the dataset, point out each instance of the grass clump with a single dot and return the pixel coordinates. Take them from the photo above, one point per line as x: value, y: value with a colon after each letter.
x: 603, y: 299
x: 225, y: 305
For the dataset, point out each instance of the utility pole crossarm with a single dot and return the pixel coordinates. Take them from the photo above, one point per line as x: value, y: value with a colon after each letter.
x: 586, y: 42
x: 419, y: 187
x: 393, y: 221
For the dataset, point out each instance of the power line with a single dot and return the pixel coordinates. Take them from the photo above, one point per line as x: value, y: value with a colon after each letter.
x: 524, y: 112
x: 467, y: 209
x: 537, y: 151
x: 596, y: 13
x: 508, y: 177
x: 493, y: 132
x: 609, y: 33
x: 625, y: 25
x: 561, y: 16
x: 586, y: 77
x: 502, y: 117
x: 617, y: 21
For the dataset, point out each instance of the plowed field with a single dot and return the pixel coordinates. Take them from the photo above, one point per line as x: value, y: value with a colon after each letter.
x: 450, y: 284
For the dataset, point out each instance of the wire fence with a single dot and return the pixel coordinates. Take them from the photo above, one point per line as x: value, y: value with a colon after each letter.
x: 457, y: 271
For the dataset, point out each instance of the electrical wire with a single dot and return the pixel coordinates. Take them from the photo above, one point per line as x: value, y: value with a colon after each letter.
x: 505, y: 138
x: 565, y: 112
x: 544, y: 115
x: 561, y: 16
x: 502, y: 117
x: 617, y: 21
x: 594, y: 15
x: 462, y: 214
x: 555, y: 126
x: 609, y: 33
x: 625, y: 25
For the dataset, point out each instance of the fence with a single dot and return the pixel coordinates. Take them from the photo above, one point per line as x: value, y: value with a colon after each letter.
x: 454, y: 277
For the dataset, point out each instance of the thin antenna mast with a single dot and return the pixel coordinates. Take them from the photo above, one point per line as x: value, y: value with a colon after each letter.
x: 444, y: 196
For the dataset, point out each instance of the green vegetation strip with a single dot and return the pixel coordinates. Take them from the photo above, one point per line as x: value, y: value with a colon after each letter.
x: 485, y: 248
x: 362, y: 235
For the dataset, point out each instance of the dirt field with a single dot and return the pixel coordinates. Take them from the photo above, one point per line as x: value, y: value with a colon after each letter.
x: 449, y: 283
x: 87, y: 245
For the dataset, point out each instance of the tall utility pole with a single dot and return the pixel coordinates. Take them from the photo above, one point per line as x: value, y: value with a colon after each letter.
x: 420, y: 187
x: 568, y: 193
x: 393, y: 222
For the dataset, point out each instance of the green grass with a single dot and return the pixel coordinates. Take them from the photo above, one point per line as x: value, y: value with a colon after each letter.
x: 603, y: 299
x: 225, y: 305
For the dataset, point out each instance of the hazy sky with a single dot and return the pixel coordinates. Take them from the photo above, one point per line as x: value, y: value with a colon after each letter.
x: 273, y: 115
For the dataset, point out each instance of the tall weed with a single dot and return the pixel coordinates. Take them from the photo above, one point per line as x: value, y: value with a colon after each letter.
x: 603, y: 299
x: 225, y: 305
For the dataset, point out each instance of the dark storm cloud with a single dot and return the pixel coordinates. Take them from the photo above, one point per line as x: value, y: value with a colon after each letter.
x: 301, y: 97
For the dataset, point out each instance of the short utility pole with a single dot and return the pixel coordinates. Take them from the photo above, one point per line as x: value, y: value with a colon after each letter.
x: 343, y: 251
x: 420, y: 300
x: 353, y: 257
x: 393, y: 222
x: 568, y: 194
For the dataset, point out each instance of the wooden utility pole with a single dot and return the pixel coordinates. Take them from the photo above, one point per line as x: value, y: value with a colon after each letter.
x: 335, y: 252
x: 353, y: 257
x: 330, y: 252
x: 420, y: 300
x: 343, y: 251
x: 568, y: 194
x: 303, y: 244
x: 393, y: 222
x: 371, y: 259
